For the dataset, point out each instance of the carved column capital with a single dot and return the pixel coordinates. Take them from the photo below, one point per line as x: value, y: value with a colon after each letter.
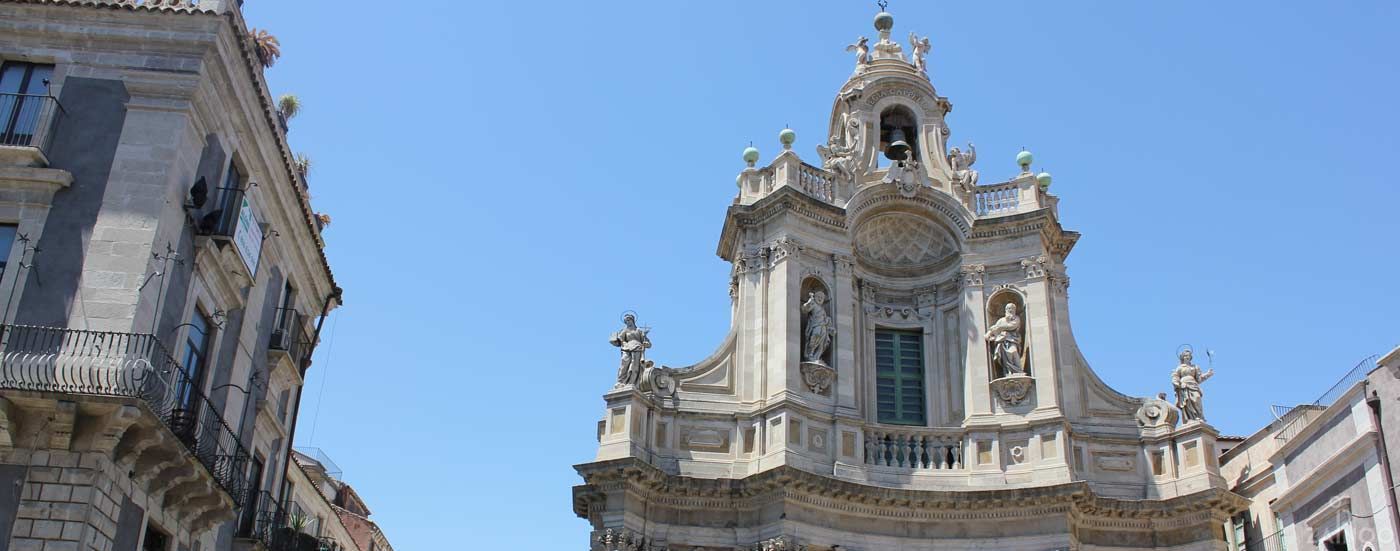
x: 972, y: 274
x: 782, y: 249
x: 845, y: 264
x: 752, y: 260
x: 1035, y: 266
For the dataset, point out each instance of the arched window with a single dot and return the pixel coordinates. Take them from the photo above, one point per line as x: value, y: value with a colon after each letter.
x: 898, y: 123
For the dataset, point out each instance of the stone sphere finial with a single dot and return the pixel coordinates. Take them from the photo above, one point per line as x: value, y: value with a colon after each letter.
x: 1043, y: 179
x: 786, y: 137
x: 884, y: 21
x: 1024, y: 158
x: 751, y: 155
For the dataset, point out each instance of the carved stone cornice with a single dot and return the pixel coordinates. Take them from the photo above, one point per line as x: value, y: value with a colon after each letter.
x: 785, y: 199
x: 789, y: 484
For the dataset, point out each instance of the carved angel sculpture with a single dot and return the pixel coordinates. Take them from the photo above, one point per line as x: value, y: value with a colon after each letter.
x: 919, y: 49
x: 961, y: 163
x: 840, y: 154
x: 862, y: 50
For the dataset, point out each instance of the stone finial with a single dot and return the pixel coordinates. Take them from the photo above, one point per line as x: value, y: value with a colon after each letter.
x: 1024, y: 158
x: 786, y: 137
x: 750, y: 155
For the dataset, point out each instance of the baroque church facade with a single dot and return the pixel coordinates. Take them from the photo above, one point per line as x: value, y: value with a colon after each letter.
x: 900, y: 372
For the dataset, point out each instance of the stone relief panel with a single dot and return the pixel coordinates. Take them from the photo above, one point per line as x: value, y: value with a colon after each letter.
x: 902, y: 240
x: 704, y: 439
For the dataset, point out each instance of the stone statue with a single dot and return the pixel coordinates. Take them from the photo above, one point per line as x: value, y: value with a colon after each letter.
x: 1005, y: 336
x: 919, y: 49
x: 961, y: 162
x: 819, y: 328
x: 1187, y: 379
x: 862, y: 50
x: 633, y: 341
x: 840, y: 155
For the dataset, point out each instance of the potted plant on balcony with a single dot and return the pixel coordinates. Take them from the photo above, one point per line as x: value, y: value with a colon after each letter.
x: 294, y: 534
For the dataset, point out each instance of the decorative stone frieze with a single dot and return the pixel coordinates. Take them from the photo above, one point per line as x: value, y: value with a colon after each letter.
x: 780, y: 543
x: 1034, y: 266
x: 622, y: 539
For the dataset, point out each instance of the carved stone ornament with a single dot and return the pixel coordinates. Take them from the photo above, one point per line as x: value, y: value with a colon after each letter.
x: 898, y: 312
x: 658, y: 380
x: 783, y: 248
x: 780, y: 543
x: 622, y: 539
x: 752, y: 260
x: 1156, y: 412
x: 1034, y: 266
x: 818, y: 377
x: 906, y: 176
x: 1013, y: 390
x: 972, y: 274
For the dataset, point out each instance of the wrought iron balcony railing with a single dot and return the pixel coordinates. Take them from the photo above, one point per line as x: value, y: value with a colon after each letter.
x: 28, y: 120
x: 74, y: 361
x: 266, y: 521
x: 289, y: 335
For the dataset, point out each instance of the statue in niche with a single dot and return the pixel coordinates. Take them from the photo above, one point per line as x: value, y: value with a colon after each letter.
x: 1187, y: 379
x: 918, y: 50
x: 862, y: 50
x: 633, y: 341
x: 819, y: 328
x: 1005, y: 338
x: 961, y: 163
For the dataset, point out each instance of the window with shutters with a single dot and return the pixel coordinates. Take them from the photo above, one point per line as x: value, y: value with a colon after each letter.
x: 899, y: 377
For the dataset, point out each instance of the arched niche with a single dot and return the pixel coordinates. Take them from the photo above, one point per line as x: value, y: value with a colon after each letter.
x: 898, y: 122
x: 996, y: 312
x: 818, y: 342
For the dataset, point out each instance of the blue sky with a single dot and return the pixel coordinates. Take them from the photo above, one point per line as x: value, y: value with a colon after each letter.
x: 505, y: 178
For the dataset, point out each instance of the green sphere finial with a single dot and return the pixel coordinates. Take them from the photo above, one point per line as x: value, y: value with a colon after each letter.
x: 1043, y: 179
x: 1024, y: 159
x: 786, y: 137
x: 750, y: 155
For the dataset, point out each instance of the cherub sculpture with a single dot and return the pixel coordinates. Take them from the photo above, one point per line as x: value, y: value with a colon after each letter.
x: 862, y: 50
x: 919, y: 49
x: 961, y: 162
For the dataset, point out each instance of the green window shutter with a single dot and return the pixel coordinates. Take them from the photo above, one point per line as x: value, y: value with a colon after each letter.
x: 899, y: 377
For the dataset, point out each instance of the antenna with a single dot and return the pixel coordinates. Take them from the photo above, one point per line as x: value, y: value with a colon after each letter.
x: 883, y: 4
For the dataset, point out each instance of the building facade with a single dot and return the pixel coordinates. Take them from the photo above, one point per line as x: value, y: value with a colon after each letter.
x: 1321, y: 477
x: 164, y: 280
x: 900, y: 372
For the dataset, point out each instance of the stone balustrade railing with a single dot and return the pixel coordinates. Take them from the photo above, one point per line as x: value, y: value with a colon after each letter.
x: 914, y: 448
x: 1019, y: 195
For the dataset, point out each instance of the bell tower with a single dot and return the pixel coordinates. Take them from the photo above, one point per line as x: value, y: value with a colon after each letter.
x: 900, y: 328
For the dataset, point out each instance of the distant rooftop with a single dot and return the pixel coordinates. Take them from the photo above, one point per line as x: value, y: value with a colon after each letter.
x: 327, y: 464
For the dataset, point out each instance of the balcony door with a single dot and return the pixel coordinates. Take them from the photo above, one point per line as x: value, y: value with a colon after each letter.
x: 189, y: 388
x: 23, y: 90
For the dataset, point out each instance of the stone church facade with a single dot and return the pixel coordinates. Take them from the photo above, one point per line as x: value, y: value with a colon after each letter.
x: 900, y: 372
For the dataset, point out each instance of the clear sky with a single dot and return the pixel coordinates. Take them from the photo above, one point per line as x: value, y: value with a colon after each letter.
x: 506, y: 177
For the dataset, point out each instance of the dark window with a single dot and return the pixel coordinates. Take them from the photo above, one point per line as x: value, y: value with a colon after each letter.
x: 156, y: 540
x: 7, y: 242
x: 23, y: 91
x: 197, y: 337
x: 1335, y: 543
x: 899, y: 377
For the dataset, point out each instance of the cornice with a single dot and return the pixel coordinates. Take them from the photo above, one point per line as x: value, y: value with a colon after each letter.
x: 790, y: 484
x: 785, y: 200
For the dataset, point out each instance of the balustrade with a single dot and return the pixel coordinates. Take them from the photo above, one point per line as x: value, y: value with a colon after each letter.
x: 919, y: 449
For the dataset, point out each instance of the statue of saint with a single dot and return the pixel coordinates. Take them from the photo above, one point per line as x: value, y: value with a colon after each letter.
x: 819, y: 328
x: 1187, y: 379
x: 633, y: 341
x: 1005, y: 336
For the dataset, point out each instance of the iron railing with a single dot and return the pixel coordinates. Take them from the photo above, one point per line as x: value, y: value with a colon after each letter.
x: 1344, y: 384
x: 55, y: 359
x: 222, y: 220
x: 289, y: 335
x: 1271, y: 542
x: 28, y: 120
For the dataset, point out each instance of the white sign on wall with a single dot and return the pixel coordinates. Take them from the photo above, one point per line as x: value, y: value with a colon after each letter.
x: 248, y: 237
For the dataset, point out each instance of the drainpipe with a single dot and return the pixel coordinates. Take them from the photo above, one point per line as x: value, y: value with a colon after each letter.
x: 305, y: 364
x: 1374, y: 400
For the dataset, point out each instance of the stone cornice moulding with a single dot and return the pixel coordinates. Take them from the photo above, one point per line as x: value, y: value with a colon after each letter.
x: 789, y: 483
x: 784, y: 200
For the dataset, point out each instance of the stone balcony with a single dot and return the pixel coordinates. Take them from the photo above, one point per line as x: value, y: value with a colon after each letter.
x: 125, y: 411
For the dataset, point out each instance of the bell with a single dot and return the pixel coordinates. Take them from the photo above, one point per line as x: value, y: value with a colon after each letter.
x: 898, y: 150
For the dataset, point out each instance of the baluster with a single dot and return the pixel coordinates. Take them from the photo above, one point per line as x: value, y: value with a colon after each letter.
x: 903, y: 451
x: 937, y: 453
x: 886, y: 451
x: 921, y: 455
x: 870, y: 448
x: 957, y: 455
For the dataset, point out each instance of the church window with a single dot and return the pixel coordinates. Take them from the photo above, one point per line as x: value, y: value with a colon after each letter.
x: 899, y: 377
